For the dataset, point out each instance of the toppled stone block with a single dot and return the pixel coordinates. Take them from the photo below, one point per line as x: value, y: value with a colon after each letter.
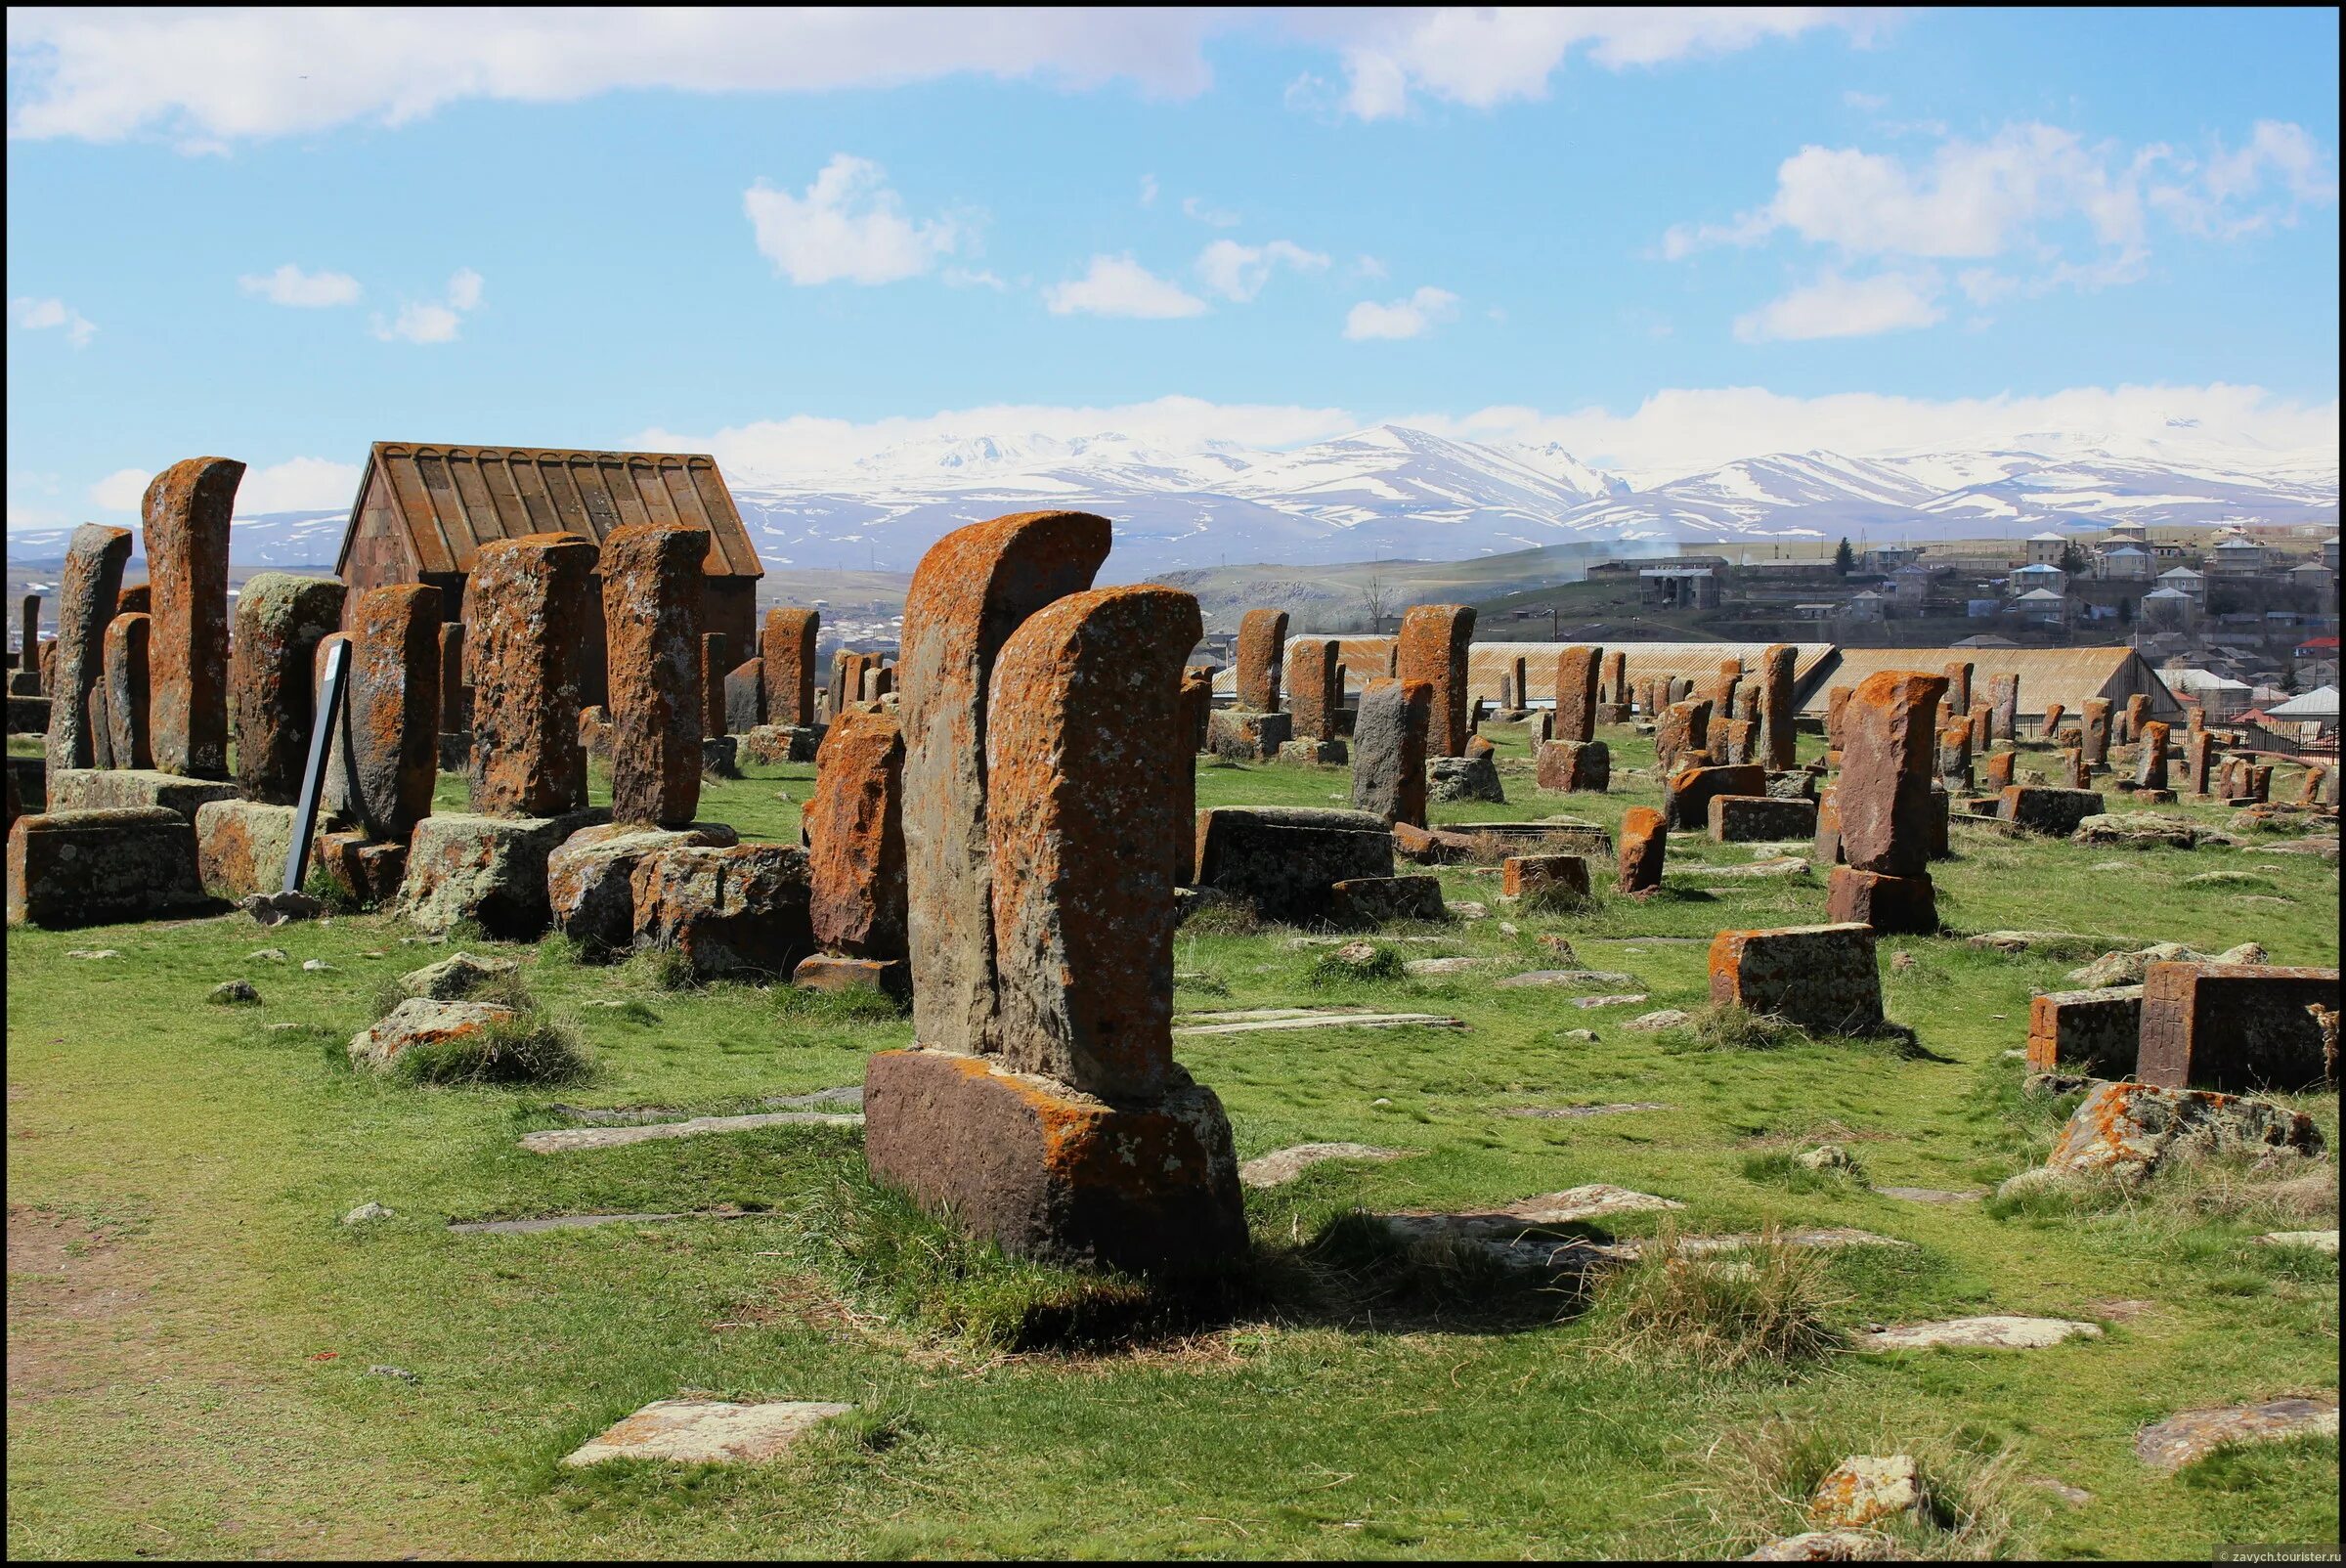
x: 95, y: 867
x: 1314, y: 752
x: 2057, y: 812
x: 2138, y: 830
x: 1055, y: 1174
x: 490, y: 869
x: 124, y: 789
x: 2129, y: 1130
x: 702, y: 1431
x: 1473, y: 776
x: 2090, y: 1032
x: 1821, y: 977
x: 1760, y: 819
x: 2235, y: 1027
x: 420, y: 1020
x: 775, y: 743
x: 1575, y: 766
x: 1374, y: 900
x: 2194, y: 1434
x: 1899, y: 905
x: 739, y: 911
x: 1644, y: 842
x: 1546, y: 881
x: 456, y: 977
x: 1247, y: 737
x: 240, y: 845
x: 591, y: 879
x: 828, y: 972
x: 1284, y: 860
x: 1686, y: 800
x: 365, y: 871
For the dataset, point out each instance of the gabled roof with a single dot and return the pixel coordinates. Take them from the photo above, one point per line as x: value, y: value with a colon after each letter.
x: 449, y: 501
x: 2066, y: 675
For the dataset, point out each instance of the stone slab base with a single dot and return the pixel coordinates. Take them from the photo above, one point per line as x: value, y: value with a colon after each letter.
x: 591, y: 879
x: 241, y: 846
x: 23, y: 683
x: 1572, y: 767
x: 88, y: 868
x: 1374, y: 901
x: 490, y: 869
x: 2154, y: 797
x: 721, y: 756
x: 1904, y: 905
x: 1247, y: 737
x: 1612, y: 712
x: 28, y: 776
x: 367, y: 872
x: 455, y: 753
x: 773, y: 744
x: 27, y: 715
x: 1822, y: 978
x: 124, y: 789
x: 822, y: 971
x: 1051, y: 1173
x: 1315, y: 753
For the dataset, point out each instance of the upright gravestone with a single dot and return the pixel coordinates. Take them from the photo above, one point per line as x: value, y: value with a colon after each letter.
x: 391, y: 743
x: 2053, y: 713
x: 1576, y: 759
x: 1837, y: 702
x: 1433, y: 647
x: 652, y: 588
x: 716, y: 654
x: 2004, y: 708
x: 788, y: 654
x: 1886, y: 805
x: 855, y: 858
x: 1779, y: 745
x: 1388, y: 746
x: 278, y: 624
x: 1722, y: 688
x: 2198, y: 761
x: 1958, y: 702
x: 534, y: 607
x: 1314, y: 692
x: 26, y: 681
x: 1262, y: 636
x: 1682, y: 731
x: 1197, y: 704
x: 2150, y: 760
x: 2138, y: 713
x: 126, y: 690
x: 186, y: 533
x: 85, y: 603
x: 2097, y: 732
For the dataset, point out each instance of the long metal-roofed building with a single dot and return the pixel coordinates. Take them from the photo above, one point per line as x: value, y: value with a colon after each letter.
x: 424, y: 509
x: 1366, y: 658
x: 2064, y: 675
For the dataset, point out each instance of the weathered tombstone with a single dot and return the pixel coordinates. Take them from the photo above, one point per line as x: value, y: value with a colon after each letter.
x: 280, y: 621
x: 2138, y: 713
x: 2054, y: 812
x: 2236, y: 1028
x: 716, y: 650
x: 26, y: 681
x: 652, y: 591
x: 1958, y: 699
x: 2053, y: 713
x: 533, y: 609
x: 855, y: 856
x: 1688, y: 796
x: 1955, y: 757
x: 1778, y: 686
x: 2150, y: 761
x: 1576, y: 693
x: 1314, y: 690
x: 389, y: 746
x: 1736, y: 741
x: 1998, y: 775
x: 1262, y: 636
x: 1433, y: 647
x: 1196, y: 705
x: 1886, y: 805
x: 2004, y: 706
x: 788, y: 654
x: 1682, y: 731
x: 2097, y: 732
x: 455, y: 712
x: 2073, y: 772
x: 1616, y: 678
x: 126, y: 690
x: 85, y: 603
x: 1644, y: 839
x: 744, y: 695
x: 1980, y: 723
x: 1084, y: 1142
x: 185, y: 535
x: 1837, y: 702
x: 1722, y: 688
x: 1389, y: 747
x: 1761, y: 818
x: 1821, y: 977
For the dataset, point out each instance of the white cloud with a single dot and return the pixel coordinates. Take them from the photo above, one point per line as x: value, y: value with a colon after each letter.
x: 205, y: 78
x: 968, y: 277
x: 303, y: 290
x: 1147, y: 190
x: 1118, y: 285
x: 1835, y: 306
x: 849, y: 225
x: 1369, y: 266
x: 1403, y: 317
x: 1211, y: 217
x: 40, y: 315
x: 1870, y: 102
x: 1485, y: 56
x: 1240, y: 272
x: 2213, y: 197
x: 122, y: 490
x: 434, y: 321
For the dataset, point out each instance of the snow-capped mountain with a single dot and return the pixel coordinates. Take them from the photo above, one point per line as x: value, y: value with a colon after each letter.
x: 1395, y: 491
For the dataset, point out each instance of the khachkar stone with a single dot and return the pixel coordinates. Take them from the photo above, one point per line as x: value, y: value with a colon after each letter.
x: 280, y: 621
x: 126, y: 691
x: 1982, y: 721
x: 1644, y: 840
x: 533, y: 609
x: 971, y: 591
x: 455, y: 712
x: 1958, y: 700
x: 85, y: 603
x: 1616, y: 679
x: 2004, y: 708
x: 2095, y: 729
x: 2198, y: 761
x: 715, y: 648
x: 1262, y: 635
x: 389, y: 747
x: 1955, y: 757
x: 1777, y: 747
x: 1433, y: 648
x: 1576, y: 693
x: 1388, y: 749
x: 1196, y: 705
x: 1683, y: 729
x: 788, y: 652
x: 2135, y: 715
x: 855, y: 856
x: 652, y: 588
x: 1722, y: 688
x: 1314, y: 689
x: 186, y: 535
x: 1885, y: 804
x: 26, y: 681
x: 743, y: 692
x: 2053, y: 716
x: 1837, y: 702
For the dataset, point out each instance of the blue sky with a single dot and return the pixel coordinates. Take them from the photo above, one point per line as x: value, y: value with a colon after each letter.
x: 1661, y: 239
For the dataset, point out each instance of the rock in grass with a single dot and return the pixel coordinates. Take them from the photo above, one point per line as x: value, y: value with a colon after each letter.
x: 317, y: 965
x: 694, y: 1431
x: 276, y: 909
x: 1827, y: 1546
x: 93, y: 952
x: 369, y: 1210
x: 1864, y: 1488
x: 454, y: 978
x: 420, y: 1020
x: 1278, y: 1168
x: 266, y: 955
x: 2128, y: 1130
x: 1824, y: 1157
x: 235, y: 994
x: 1666, y: 1018
x: 2194, y: 1434
x: 2315, y: 1240
x: 1980, y: 1333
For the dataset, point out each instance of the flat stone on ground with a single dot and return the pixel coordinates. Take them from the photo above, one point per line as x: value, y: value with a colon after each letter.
x: 571, y: 1140
x: 1573, y: 1113
x: 583, y: 1222
x: 2318, y: 1241
x: 1980, y: 1333
x: 2194, y: 1434
x: 1865, y: 1488
x: 697, y: 1431
x: 1930, y: 1194
x: 1569, y: 977
x: 1298, y: 1019
x: 1827, y: 1546
x: 1278, y: 1168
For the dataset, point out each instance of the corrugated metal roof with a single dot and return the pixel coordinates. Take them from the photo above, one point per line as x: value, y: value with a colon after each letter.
x: 1489, y: 663
x: 454, y: 499
x: 2066, y: 675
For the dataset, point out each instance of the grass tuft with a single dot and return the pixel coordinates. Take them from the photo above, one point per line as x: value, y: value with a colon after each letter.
x: 1768, y: 1304
x: 1759, y: 1482
x: 525, y: 1048
x: 659, y: 969
x: 1328, y: 969
x: 1731, y: 1027
x: 858, y: 1004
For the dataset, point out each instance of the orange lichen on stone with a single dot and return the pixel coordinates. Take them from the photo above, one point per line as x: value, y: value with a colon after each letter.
x: 1433, y: 646
x: 788, y: 652
x: 652, y: 589
x: 391, y: 745
x: 1262, y: 636
x: 533, y: 609
x: 1576, y: 694
x: 855, y: 838
x: 185, y: 516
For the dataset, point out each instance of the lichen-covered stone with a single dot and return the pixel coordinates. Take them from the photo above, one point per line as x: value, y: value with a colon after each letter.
x: 1778, y: 707
x: 98, y: 789
x: 832, y: 972
x: 387, y: 753
x: 1285, y: 859
x: 1576, y: 695
x: 280, y: 619
x: 364, y: 870
x: 1432, y: 647
x: 1246, y: 736
x: 737, y: 912
x: 2194, y: 1434
x: 1388, y: 738
x: 652, y: 589
x: 1687, y: 797
x: 2059, y: 812
x: 184, y: 532
x: 1822, y: 978
x: 2096, y: 731
x: 2128, y: 1130
x: 240, y: 845
x: 1546, y: 881
x: 1374, y: 900
x: 2235, y: 1027
x: 855, y: 838
x: 787, y: 664
x: 972, y: 591
x: 1262, y: 638
x: 745, y: 697
x: 1682, y: 732
x: 1760, y: 819
x: 2091, y: 1031
x: 533, y: 607
x: 456, y: 977
x: 1314, y: 690
x: 1644, y: 842
x: 94, y: 867
x: 591, y: 878
x: 1883, y: 797
x: 1901, y: 905
x: 1572, y: 768
x: 420, y: 1020
x: 491, y: 869
x: 130, y: 733
x: 1471, y: 777
x: 85, y: 603
x: 781, y: 743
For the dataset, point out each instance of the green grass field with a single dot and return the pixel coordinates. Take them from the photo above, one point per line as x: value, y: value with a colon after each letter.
x: 204, y: 1362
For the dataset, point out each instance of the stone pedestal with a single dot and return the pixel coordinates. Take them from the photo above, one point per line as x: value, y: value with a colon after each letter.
x: 1247, y: 737
x: 591, y: 879
x: 27, y: 712
x: 1821, y: 977
x: 1374, y: 901
x: 490, y: 869
x: 98, y: 789
x: 1315, y: 753
x: 737, y: 911
x: 1894, y: 904
x: 774, y: 744
x: 1286, y: 859
x: 365, y: 871
x: 240, y: 845
x: 1055, y: 1174
x: 456, y: 752
x: 827, y: 972
x: 1686, y: 800
x: 88, y: 868
x: 1760, y: 819
x: 1572, y: 767
x: 721, y: 756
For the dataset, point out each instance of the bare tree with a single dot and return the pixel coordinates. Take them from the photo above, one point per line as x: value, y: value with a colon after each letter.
x: 1373, y: 596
